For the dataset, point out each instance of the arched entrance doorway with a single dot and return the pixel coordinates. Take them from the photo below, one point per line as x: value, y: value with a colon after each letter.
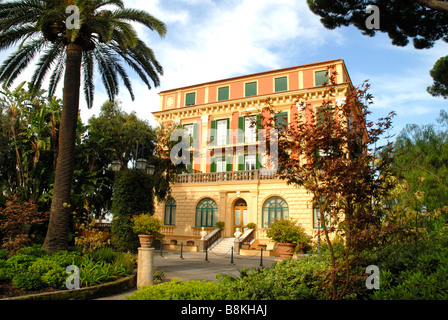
x: 240, y: 215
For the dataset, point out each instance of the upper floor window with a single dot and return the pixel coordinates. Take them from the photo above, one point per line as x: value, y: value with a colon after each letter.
x: 221, y: 132
x: 190, y: 99
x: 251, y: 89
x: 281, y: 84
x: 321, y: 78
x: 223, y: 93
x: 281, y: 121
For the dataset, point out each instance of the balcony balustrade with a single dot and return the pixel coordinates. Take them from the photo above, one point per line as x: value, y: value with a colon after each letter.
x: 228, y: 176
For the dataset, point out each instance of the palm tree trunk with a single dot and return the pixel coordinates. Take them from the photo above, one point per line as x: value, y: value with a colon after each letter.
x: 59, y: 226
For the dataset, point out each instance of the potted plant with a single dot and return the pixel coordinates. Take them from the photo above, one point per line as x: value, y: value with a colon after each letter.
x: 251, y: 225
x: 173, y: 241
x: 245, y: 245
x: 190, y: 242
x: 287, y: 234
x: 147, y: 227
x: 262, y: 246
x: 219, y: 224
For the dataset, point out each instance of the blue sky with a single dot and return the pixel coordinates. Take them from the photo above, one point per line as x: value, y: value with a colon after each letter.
x: 216, y: 39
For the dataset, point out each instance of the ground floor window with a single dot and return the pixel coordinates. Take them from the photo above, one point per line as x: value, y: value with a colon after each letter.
x: 170, y: 212
x: 206, y: 213
x: 274, y: 208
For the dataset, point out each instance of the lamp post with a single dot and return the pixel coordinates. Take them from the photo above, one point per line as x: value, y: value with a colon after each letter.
x: 423, y: 212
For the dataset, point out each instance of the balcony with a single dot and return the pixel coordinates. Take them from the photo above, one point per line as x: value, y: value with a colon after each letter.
x: 229, y: 176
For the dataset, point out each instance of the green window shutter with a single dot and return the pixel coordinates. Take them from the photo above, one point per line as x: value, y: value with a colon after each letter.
x: 228, y: 132
x: 213, y: 133
x: 190, y: 99
x: 190, y: 165
x: 257, y: 162
x: 241, y: 166
x: 195, y: 135
x: 321, y: 78
x: 281, y: 84
x: 241, y: 129
x: 213, y: 165
x: 229, y: 164
x: 223, y: 93
x: 251, y: 89
x: 281, y: 121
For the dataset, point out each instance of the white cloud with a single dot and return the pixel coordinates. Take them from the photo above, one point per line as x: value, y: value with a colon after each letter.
x: 210, y: 40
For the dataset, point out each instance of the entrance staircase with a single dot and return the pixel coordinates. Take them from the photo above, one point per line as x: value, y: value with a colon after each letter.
x: 222, y: 246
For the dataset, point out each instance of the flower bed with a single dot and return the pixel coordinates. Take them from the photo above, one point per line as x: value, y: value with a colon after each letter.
x: 31, y: 270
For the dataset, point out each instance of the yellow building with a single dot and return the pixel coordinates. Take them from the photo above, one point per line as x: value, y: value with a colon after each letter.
x: 226, y: 180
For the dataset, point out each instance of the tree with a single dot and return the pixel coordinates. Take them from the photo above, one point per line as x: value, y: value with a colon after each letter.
x: 439, y: 73
x: 104, y: 38
x: 421, y: 159
x: 329, y: 152
x: 423, y: 21
x: 28, y: 129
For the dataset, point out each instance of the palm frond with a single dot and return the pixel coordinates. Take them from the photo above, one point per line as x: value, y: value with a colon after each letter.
x: 13, y: 66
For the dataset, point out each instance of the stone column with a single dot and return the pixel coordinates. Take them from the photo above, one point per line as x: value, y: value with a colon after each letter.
x: 145, y: 267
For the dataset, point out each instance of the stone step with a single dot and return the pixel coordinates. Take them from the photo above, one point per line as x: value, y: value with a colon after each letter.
x: 223, y: 245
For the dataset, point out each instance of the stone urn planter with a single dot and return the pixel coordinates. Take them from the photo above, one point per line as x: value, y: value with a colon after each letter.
x: 286, y: 250
x: 145, y: 240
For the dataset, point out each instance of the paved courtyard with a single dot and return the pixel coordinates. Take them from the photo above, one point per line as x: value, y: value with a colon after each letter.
x: 193, y: 266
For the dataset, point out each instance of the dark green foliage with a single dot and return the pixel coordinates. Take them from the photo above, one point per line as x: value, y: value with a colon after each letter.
x: 33, y: 269
x: 27, y: 281
x: 422, y: 160
x: 402, y: 20
x: 133, y: 191
x: 439, y: 73
x: 415, y: 271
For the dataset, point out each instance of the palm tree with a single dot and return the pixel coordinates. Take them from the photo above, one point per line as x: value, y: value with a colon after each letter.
x: 103, y: 40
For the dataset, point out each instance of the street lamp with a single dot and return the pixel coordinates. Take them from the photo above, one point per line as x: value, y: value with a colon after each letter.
x: 423, y: 212
x: 140, y: 164
x: 150, y: 169
x: 115, y: 166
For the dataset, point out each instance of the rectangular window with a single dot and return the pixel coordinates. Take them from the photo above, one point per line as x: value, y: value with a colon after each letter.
x: 221, y: 164
x: 251, y: 89
x: 250, y: 130
x: 223, y: 93
x: 221, y: 132
x: 250, y: 162
x: 321, y: 78
x: 324, y: 114
x: 281, y: 84
x: 281, y: 121
x: 190, y: 99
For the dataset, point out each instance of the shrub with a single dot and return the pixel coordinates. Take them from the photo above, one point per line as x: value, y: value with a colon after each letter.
x: 147, y: 225
x: 177, y: 290
x: 106, y: 254
x: 55, y: 277
x: 288, y: 280
x: 20, y: 261
x: 6, y: 274
x: 27, y: 281
x: 3, y: 254
x: 287, y: 231
x: 17, y: 220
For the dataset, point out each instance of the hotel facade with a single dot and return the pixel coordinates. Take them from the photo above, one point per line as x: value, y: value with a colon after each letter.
x: 227, y: 177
